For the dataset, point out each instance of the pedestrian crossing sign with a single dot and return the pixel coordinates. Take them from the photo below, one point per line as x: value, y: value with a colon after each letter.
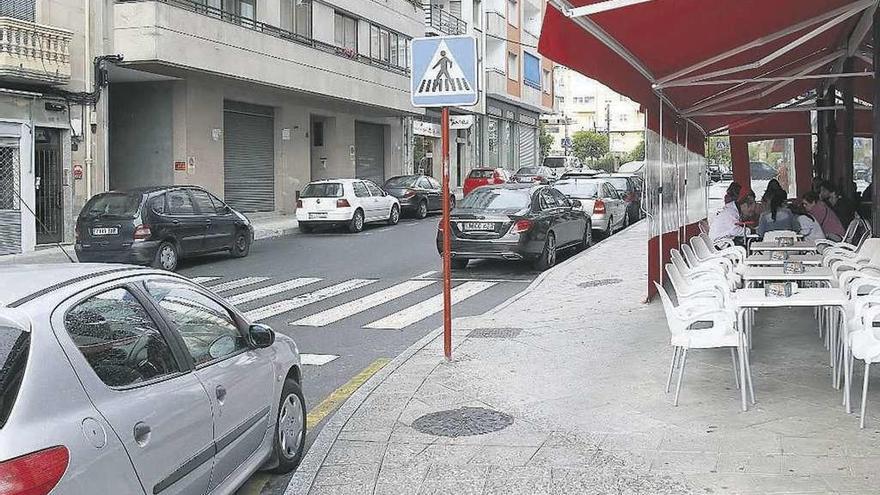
x: 444, y: 71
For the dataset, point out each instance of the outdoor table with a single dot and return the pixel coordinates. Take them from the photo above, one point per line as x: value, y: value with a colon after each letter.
x: 763, y: 259
x: 753, y: 274
x: 751, y: 299
x: 797, y: 247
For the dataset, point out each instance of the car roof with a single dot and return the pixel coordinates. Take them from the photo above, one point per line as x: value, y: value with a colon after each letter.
x: 25, y: 282
x: 345, y: 181
x: 615, y: 174
x: 512, y: 185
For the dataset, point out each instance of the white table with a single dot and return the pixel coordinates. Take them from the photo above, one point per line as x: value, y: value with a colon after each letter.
x: 797, y: 247
x: 750, y: 299
x: 763, y: 259
x: 777, y: 274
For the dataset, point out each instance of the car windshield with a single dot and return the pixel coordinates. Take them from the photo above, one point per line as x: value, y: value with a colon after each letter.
x: 322, y: 190
x: 578, y: 188
x: 554, y: 162
x: 120, y: 205
x: 481, y: 174
x: 528, y: 171
x: 403, y: 181
x: 497, y: 199
x: 619, y: 183
x: 14, y: 346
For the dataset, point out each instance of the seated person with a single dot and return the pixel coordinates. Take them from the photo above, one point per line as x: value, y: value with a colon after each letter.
x: 728, y: 223
x: 826, y: 217
x: 843, y: 207
x: 810, y: 228
x: 777, y: 216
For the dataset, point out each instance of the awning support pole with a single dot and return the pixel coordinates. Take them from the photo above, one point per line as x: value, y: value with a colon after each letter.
x: 831, y: 135
x: 875, y: 197
x: 846, y: 173
x: 821, y: 139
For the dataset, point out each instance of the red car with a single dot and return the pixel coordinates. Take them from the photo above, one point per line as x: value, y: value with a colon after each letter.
x: 483, y: 177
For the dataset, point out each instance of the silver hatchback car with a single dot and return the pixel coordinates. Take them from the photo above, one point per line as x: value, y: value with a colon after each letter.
x: 125, y: 380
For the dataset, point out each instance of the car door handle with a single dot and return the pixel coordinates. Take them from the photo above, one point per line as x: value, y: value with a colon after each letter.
x: 175, y: 221
x: 142, y: 434
x: 220, y: 392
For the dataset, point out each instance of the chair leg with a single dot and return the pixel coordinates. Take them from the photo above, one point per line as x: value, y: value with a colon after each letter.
x: 748, y: 363
x: 865, y: 394
x: 671, y: 368
x: 735, y: 370
x: 684, y: 356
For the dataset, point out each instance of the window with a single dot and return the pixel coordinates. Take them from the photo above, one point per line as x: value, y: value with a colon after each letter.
x: 345, y: 32
x: 203, y: 201
x: 561, y: 200
x: 512, y: 66
x: 510, y: 144
x: 492, y: 142
x: 113, y: 205
x: 9, y: 177
x: 360, y: 190
x: 247, y: 9
x: 157, y: 204
x: 389, y: 46
x: 402, y: 51
x: 531, y: 70
x: 296, y: 17
x: 18, y: 9
x: 14, y: 348
x: 513, y: 13
x: 207, y: 329
x: 318, y: 134
x: 179, y: 203
x: 548, y: 84
x: 434, y: 183
x: 119, y: 340
x: 546, y: 201
x: 374, y: 189
x: 423, y: 183
x: 322, y: 190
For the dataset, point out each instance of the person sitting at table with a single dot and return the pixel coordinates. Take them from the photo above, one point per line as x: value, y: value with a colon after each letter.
x: 777, y: 216
x: 773, y: 187
x: 733, y: 192
x: 728, y: 223
x: 826, y: 217
x: 810, y: 228
x: 842, y: 207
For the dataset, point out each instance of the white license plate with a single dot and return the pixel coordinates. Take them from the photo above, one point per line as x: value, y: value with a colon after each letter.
x: 317, y: 215
x: 105, y: 231
x: 476, y: 226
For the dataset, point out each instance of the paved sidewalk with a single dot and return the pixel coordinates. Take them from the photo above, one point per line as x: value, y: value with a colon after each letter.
x: 583, y: 382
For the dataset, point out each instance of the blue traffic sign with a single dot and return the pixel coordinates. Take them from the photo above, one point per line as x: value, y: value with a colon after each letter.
x: 444, y: 71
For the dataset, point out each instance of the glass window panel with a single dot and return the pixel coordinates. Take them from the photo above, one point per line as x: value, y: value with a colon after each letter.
x: 383, y: 42
x: 374, y: 42
x: 351, y: 33
x: 303, y: 17
x: 394, y: 59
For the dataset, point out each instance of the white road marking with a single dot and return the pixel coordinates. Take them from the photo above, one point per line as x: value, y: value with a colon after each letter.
x: 286, y: 305
x: 271, y: 290
x: 237, y: 284
x: 203, y: 280
x: 317, y: 359
x: 351, y: 308
x: 426, y: 274
x: 428, y: 307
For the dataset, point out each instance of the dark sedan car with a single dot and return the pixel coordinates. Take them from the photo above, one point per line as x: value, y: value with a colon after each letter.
x: 418, y: 194
x: 515, y: 222
x: 158, y: 226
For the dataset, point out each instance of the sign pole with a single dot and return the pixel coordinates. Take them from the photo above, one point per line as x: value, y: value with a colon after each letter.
x: 447, y: 246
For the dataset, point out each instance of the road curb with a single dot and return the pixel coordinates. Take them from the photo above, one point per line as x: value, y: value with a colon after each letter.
x: 265, y: 234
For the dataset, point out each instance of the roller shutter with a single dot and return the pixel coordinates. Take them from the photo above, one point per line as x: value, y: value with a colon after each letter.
x: 527, y: 146
x: 369, y: 141
x: 248, y: 157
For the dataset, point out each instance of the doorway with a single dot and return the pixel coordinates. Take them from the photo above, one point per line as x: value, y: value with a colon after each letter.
x: 369, y: 143
x: 48, y: 185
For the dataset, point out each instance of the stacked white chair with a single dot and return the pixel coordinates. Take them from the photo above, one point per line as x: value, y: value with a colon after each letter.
x: 864, y: 345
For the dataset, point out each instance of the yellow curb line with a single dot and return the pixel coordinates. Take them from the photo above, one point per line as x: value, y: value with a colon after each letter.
x: 342, y: 393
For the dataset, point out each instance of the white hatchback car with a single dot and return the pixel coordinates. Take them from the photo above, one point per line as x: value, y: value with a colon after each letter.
x: 345, y: 202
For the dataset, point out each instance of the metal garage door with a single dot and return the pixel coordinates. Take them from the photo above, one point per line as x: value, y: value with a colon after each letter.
x: 10, y: 208
x: 248, y: 156
x: 527, y: 147
x: 369, y: 142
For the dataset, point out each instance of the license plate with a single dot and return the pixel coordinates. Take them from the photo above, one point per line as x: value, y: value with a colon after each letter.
x: 476, y: 226
x: 105, y: 231
x: 317, y: 215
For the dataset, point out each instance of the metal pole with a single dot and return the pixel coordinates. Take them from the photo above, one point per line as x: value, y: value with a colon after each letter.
x: 875, y: 149
x: 831, y: 136
x: 447, y: 248
x: 846, y: 175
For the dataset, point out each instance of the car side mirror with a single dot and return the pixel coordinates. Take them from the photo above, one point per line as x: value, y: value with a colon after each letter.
x: 576, y: 203
x: 261, y: 336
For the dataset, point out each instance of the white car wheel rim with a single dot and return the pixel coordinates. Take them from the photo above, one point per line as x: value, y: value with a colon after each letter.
x: 290, y: 426
x: 167, y: 258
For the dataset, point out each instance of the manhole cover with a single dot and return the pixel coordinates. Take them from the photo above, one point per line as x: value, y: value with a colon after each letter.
x: 600, y: 282
x: 463, y: 422
x: 494, y: 333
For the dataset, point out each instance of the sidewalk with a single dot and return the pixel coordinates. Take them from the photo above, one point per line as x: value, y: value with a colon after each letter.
x: 580, y: 367
x: 266, y: 226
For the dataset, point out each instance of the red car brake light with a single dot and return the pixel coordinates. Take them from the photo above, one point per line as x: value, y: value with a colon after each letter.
x: 409, y: 193
x: 142, y: 232
x: 599, y: 207
x: 342, y: 203
x: 299, y: 203
x: 521, y: 226
x: 34, y: 474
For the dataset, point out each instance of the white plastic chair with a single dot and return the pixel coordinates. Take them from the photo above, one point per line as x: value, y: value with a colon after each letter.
x: 841, y: 253
x: 772, y: 235
x: 739, y: 251
x: 721, y: 332
x: 865, y: 345
x: 718, y: 261
x: 686, y: 289
x: 856, y: 233
x: 708, y: 270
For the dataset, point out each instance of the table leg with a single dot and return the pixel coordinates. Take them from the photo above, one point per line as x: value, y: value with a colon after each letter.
x: 743, y: 348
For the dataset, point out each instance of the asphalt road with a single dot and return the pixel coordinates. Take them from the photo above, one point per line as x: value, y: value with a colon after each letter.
x: 324, y: 300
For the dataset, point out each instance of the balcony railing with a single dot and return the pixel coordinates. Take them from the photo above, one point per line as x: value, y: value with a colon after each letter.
x: 34, y: 53
x: 444, y: 22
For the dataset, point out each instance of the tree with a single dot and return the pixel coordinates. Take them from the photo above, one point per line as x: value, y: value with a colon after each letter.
x: 589, y: 144
x: 545, y: 140
x: 638, y: 153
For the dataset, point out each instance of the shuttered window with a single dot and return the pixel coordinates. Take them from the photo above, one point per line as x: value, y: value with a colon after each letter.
x: 527, y: 146
x: 248, y: 157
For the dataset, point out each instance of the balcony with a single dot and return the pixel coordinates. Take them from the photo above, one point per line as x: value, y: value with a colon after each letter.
x: 440, y: 21
x: 32, y: 53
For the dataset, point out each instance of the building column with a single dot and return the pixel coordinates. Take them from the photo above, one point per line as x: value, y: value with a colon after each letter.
x: 803, y: 163
x: 739, y: 157
x: 832, y: 172
x: 845, y: 174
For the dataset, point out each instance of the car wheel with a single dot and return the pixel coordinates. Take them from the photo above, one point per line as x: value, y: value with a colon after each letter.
x: 357, y: 222
x: 394, y: 217
x: 290, y: 428
x: 166, y: 256
x: 548, y: 255
x: 459, y: 264
x: 242, y: 245
x: 626, y: 220
x: 422, y: 209
x: 588, y: 237
x: 306, y: 228
x: 610, y: 229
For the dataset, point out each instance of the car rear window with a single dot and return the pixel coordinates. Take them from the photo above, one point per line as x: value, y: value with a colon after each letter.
x: 14, y: 347
x: 497, y: 199
x: 322, y: 190
x: 554, y: 162
x: 619, y: 183
x: 117, y: 205
x: 528, y: 171
x: 578, y: 188
x: 482, y: 174
x: 405, y: 181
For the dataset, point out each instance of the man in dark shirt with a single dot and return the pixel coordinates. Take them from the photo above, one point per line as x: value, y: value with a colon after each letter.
x: 843, y: 207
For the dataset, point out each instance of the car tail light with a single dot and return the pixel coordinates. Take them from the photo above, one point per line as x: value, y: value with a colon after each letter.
x: 537, y: 179
x: 342, y: 203
x: 599, y: 207
x: 299, y: 203
x: 521, y: 226
x: 498, y: 178
x: 142, y: 232
x: 409, y: 193
x: 34, y: 474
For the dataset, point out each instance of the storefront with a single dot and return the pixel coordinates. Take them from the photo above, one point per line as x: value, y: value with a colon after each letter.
x: 511, y: 136
x: 464, y: 140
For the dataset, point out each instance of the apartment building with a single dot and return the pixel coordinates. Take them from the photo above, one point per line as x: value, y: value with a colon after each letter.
x: 586, y: 105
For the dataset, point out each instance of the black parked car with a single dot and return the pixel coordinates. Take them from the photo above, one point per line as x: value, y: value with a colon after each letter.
x: 762, y: 171
x: 158, y: 226
x: 418, y: 194
x: 516, y: 222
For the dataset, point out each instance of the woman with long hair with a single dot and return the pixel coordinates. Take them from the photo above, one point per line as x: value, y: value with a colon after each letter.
x: 777, y: 216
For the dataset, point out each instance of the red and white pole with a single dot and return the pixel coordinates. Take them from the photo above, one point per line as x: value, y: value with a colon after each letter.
x: 447, y: 245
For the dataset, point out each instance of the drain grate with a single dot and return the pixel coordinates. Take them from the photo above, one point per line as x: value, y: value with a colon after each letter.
x: 494, y: 333
x: 462, y: 422
x: 600, y: 282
